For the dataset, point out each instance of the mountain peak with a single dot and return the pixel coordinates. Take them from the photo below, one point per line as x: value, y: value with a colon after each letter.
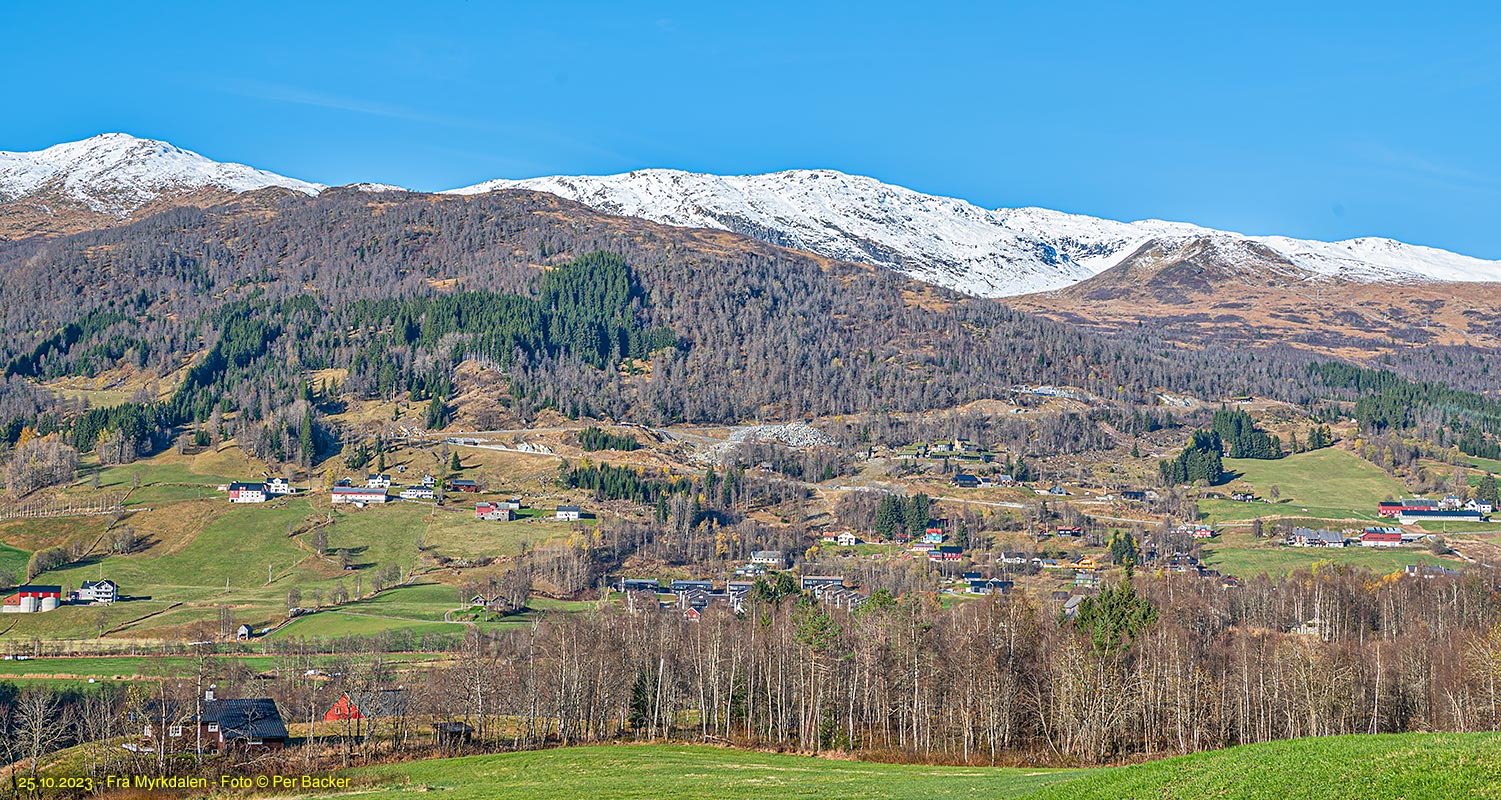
x: 116, y: 174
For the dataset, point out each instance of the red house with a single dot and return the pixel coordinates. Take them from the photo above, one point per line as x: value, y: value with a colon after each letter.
x: 358, y: 705
x: 1381, y: 539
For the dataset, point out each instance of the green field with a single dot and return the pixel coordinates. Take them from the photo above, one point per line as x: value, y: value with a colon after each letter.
x: 1323, y: 484
x: 1408, y: 766
x: 688, y: 773
x: 1236, y: 552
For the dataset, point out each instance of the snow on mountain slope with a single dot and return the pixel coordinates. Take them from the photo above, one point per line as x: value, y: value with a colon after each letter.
x: 940, y: 240
x: 116, y: 174
x: 953, y: 243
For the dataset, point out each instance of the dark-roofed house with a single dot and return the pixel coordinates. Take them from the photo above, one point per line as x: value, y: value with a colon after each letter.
x: 250, y: 723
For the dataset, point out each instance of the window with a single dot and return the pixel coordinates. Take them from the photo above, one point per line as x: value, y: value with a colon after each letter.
x: 254, y: 742
x: 175, y: 731
x: 213, y: 727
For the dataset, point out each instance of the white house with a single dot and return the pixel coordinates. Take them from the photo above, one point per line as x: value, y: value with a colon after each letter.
x: 569, y: 513
x: 280, y: 486
x: 101, y: 592
x: 381, y: 481
x: 418, y: 493
x: 848, y: 539
x: 247, y: 492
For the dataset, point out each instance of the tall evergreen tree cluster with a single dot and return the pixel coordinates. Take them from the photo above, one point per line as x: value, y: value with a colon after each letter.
x: 1238, y: 432
x: 1199, y: 461
x: 902, y: 514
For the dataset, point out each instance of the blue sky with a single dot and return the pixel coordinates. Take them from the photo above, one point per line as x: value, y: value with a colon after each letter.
x: 1314, y: 120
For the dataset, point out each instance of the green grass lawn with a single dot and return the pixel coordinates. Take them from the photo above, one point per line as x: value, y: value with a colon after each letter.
x: 638, y: 772
x: 1407, y: 766
x: 1323, y: 484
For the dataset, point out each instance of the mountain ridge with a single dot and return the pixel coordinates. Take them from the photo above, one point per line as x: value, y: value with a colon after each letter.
x: 945, y: 241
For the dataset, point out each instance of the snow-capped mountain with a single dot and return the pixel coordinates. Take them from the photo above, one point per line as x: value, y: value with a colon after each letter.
x: 953, y: 243
x: 942, y: 240
x: 116, y: 174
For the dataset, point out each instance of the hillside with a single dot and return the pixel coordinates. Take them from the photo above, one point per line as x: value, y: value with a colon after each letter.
x: 148, y: 294
x: 1214, y: 289
x: 1364, y: 766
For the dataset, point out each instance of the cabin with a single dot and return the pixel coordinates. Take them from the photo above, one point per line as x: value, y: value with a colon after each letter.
x: 1134, y: 497
x: 463, y: 485
x: 569, y: 514
x: 493, y: 512
x: 679, y: 587
x: 243, y: 633
x: 452, y: 734
x: 33, y: 599
x: 99, y: 593
x: 379, y: 481
x: 963, y: 481
x: 1070, y: 530
x: 361, y: 705
x: 247, y: 492
x: 357, y: 495
x: 640, y: 585
x: 280, y: 486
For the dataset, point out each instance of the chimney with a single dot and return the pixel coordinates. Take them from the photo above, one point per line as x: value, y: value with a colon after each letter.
x: 208, y: 694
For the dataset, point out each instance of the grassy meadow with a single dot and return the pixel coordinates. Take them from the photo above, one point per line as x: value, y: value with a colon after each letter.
x: 1406, y: 766
x: 1328, y: 484
x: 632, y: 772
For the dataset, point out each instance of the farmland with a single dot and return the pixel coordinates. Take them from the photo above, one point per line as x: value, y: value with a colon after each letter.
x: 1322, y: 484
